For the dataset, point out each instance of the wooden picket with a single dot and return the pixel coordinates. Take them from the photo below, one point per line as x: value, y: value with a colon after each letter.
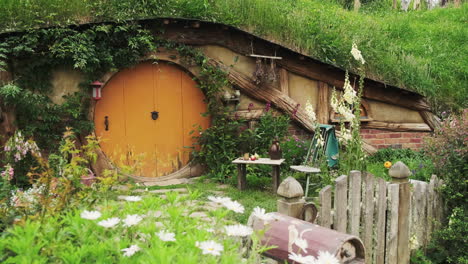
x: 390, y: 218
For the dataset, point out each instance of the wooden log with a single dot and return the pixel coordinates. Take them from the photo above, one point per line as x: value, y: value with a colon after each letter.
x: 283, y: 232
x: 421, y: 127
x: 340, y: 204
x: 368, y: 214
x: 323, y: 107
x: 381, y: 208
x: 354, y: 202
x: 418, y: 213
x: 325, y: 207
x: 391, y: 252
x: 284, y: 81
x: 430, y: 119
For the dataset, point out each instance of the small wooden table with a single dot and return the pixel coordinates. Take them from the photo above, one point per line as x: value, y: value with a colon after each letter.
x: 242, y: 170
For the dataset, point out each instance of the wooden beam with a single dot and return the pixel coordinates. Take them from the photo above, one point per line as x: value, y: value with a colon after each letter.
x: 430, y: 119
x: 284, y: 81
x: 323, y: 107
x: 421, y: 127
x: 268, y: 93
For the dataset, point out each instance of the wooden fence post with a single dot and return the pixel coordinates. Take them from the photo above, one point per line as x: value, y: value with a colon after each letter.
x: 400, y: 173
x: 341, y: 201
x: 354, y: 202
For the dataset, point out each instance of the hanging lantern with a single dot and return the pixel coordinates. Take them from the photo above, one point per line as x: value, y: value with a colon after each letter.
x: 97, y: 86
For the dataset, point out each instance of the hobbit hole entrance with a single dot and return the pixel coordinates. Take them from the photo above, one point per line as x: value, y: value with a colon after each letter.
x: 145, y: 118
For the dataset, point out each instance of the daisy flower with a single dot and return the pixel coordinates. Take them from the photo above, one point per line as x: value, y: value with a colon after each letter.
x: 131, y: 250
x: 238, y: 230
x: 234, y: 206
x: 219, y: 199
x: 111, y: 222
x: 302, y: 259
x: 90, y: 215
x: 325, y: 257
x: 132, y: 220
x: 261, y: 214
x: 210, y: 247
x: 166, y: 236
x: 132, y: 198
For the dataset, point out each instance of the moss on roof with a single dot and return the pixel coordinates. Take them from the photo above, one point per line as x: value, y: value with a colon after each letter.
x: 423, y: 51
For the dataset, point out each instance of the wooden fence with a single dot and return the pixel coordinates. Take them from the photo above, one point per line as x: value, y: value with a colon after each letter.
x: 391, y: 218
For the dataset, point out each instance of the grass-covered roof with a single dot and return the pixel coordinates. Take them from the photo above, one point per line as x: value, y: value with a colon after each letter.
x: 424, y: 51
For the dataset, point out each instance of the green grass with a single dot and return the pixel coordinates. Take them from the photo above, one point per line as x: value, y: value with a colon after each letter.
x: 424, y: 51
x: 256, y: 194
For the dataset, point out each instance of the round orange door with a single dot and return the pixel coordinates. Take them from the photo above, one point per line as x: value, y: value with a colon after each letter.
x: 145, y: 117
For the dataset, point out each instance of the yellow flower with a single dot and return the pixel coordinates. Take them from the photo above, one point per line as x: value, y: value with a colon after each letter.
x: 387, y: 164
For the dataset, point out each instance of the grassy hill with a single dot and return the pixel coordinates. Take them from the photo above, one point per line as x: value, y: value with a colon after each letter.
x: 425, y: 51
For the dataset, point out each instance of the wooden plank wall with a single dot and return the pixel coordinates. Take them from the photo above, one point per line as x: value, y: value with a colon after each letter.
x: 374, y: 210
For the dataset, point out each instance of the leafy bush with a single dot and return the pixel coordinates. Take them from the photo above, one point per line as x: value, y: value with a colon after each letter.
x: 418, y: 162
x: 449, y: 151
x: 294, y: 151
x: 229, y: 138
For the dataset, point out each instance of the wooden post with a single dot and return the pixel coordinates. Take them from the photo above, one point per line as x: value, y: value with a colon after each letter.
x: 368, y: 214
x: 391, y: 245
x: 241, y: 177
x: 323, y: 106
x: 284, y: 81
x: 341, y: 202
x: 325, y: 207
x: 380, y: 233
x: 276, y: 177
x: 354, y: 202
x: 400, y: 173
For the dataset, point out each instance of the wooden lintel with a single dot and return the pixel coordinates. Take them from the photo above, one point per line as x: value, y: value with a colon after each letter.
x: 265, y: 57
x: 284, y: 81
x: 323, y: 107
x: 421, y: 127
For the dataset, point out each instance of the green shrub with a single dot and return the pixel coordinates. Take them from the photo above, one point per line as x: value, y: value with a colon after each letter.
x: 418, y: 162
x: 449, y: 151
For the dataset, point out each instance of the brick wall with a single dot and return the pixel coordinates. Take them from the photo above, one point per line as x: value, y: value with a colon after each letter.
x: 384, y: 138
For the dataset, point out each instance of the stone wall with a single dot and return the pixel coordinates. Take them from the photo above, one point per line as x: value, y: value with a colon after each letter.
x: 385, y: 139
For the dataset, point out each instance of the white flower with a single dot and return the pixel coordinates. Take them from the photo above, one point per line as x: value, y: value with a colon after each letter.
x: 132, y: 198
x: 111, y: 222
x: 131, y: 250
x: 219, y: 200
x: 234, y: 206
x: 261, y: 214
x: 357, y: 54
x: 324, y: 257
x: 334, y: 101
x: 238, y: 230
x: 90, y: 215
x: 349, y: 94
x: 310, y: 111
x: 166, y: 236
x: 346, y: 135
x: 302, y: 244
x: 132, y: 220
x: 210, y: 247
x: 302, y: 259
